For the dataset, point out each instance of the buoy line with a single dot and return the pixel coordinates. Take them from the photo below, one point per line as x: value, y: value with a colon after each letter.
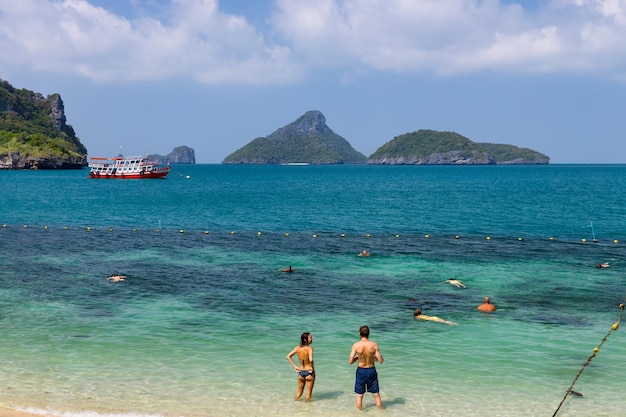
x: 570, y: 390
x: 352, y: 234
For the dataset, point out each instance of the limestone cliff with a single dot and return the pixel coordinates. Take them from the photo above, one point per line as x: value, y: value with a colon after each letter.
x: 180, y: 155
x: 34, y: 133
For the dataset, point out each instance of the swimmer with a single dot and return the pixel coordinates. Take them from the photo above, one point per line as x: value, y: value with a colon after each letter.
x: 602, y: 265
x: 455, y: 282
x: 486, y: 306
x: 364, y: 253
x: 288, y: 269
x: 116, y: 277
x: 419, y: 316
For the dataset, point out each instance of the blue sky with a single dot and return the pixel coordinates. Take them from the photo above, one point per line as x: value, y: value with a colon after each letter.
x: 150, y: 75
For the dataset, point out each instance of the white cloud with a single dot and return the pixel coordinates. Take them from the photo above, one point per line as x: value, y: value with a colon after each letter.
x: 448, y: 37
x: 195, y: 39
x: 198, y: 41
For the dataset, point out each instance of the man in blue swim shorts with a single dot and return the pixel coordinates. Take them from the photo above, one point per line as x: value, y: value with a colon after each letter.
x: 366, y: 352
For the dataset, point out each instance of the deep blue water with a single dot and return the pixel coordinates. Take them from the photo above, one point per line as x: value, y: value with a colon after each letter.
x: 470, y: 200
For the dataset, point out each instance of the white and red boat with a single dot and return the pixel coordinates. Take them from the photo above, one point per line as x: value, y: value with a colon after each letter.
x: 133, y: 167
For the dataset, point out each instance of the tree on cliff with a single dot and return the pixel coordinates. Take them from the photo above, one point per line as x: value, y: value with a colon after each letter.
x: 34, y: 132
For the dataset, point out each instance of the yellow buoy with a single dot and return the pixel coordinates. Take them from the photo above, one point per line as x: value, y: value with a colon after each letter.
x: 457, y: 237
x: 427, y: 236
x: 519, y: 238
x: 286, y: 234
x: 232, y: 232
x: 110, y: 229
x: 45, y: 227
x: 368, y: 235
x: 343, y: 235
x: 488, y: 237
x: 397, y: 236
x: 181, y: 231
x: 88, y: 228
x: 583, y: 240
x: 206, y: 232
x: 551, y: 238
x: 615, y: 241
x: 314, y: 235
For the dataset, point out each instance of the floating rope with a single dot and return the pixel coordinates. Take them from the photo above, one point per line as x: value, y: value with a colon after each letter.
x: 570, y: 390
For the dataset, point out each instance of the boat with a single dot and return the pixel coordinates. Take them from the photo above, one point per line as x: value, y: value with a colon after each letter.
x: 134, y: 167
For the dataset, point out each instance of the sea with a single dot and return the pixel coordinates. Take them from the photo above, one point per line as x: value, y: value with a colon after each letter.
x: 204, y: 320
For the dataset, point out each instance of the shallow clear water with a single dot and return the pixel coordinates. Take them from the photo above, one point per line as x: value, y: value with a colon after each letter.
x: 203, y: 322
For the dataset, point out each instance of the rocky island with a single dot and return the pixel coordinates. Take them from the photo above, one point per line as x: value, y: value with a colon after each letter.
x: 310, y: 140
x: 430, y: 147
x: 179, y: 155
x: 306, y: 140
x: 34, y: 133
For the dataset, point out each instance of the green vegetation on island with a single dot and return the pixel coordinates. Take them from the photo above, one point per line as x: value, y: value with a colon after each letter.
x: 307, y: 140
x: 430, y: 147
x: 34, y: 133
x: 509, y: 154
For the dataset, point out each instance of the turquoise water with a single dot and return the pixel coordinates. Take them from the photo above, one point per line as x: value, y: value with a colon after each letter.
x: 203, y: 322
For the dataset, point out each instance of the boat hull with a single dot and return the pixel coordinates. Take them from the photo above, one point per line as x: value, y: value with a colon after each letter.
x: 130, y: 176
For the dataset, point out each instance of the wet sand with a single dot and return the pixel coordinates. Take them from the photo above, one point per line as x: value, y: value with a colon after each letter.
x: 7, y: 412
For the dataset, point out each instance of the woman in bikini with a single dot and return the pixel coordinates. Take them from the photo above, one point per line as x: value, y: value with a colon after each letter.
x: 305, y: 368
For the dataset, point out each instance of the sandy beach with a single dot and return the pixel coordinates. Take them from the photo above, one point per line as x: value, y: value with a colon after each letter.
x: 7, y: 412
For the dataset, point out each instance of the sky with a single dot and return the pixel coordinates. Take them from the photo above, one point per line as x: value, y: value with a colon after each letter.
x: 146, y: 76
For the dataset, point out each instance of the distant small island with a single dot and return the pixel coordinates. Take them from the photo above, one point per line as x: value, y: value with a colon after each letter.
x: 309, y: 140
x: 179, y: 155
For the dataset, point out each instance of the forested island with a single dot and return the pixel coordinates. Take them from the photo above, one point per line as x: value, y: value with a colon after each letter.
x: 309, y: 140
x: 306, y: 140
x: 430, y: 147
x: 34, y: 133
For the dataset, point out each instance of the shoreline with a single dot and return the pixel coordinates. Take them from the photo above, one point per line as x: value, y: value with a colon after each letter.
x: 10, y: 412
